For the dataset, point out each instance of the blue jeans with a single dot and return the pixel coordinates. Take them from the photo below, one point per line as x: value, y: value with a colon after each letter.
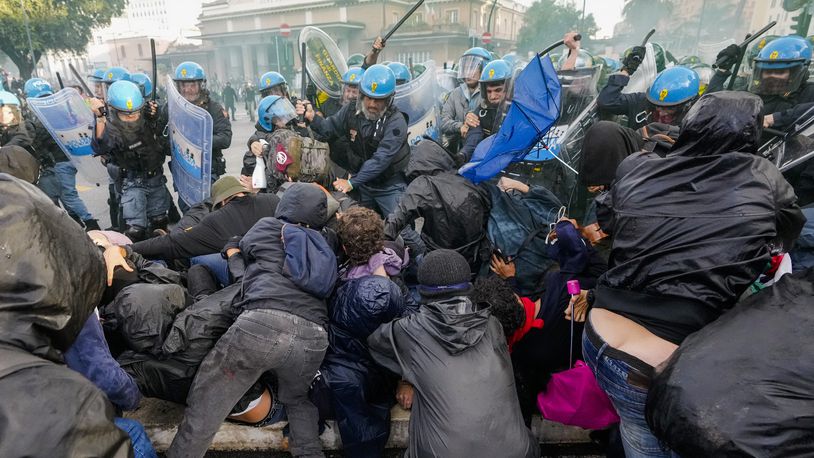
x: 216, y: 264
x: 144, y: 199
x: 66, y: 173
x: 385, y: 200
x: 621, y: 381
x: 142, y: 447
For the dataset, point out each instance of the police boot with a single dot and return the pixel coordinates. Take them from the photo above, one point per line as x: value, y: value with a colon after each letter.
x: 174, y: 215
x: 113, y: 205
x: 91, y: 225
x: 136, y: 233
x: 158, y: 225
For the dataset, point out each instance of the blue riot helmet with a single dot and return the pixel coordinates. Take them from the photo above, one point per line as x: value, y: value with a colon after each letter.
x: 378, y: 82
x: 275, y: 111
x: 143, y: 82
x: 350, y: 84
x: 493, y: 81
x: 125, y: 97
x: 37, y: 87
x: 190, y: 80
x: 705, y: 73
x: 781, y: 66
x: 401, y: 71
x: 471, y: 63
x: 273, y: 83
x: 672, y: 94
x: 510, y: 58
x: 356, y: 60
x: 96, y: 80
x: 111, y: 75
x: 10, y: 114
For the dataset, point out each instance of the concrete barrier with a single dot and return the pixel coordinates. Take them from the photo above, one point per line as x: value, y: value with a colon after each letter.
x: 161, y: 419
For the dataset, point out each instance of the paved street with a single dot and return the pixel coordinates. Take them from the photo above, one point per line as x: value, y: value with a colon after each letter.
x: 242, y: 129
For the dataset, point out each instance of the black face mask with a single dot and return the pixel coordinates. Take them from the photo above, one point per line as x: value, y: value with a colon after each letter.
x: 129, y: 128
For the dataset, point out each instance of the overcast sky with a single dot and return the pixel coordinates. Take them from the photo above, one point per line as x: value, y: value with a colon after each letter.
x: 606, y: 13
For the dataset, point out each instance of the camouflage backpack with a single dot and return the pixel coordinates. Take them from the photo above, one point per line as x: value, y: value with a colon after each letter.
x: 290, y: 155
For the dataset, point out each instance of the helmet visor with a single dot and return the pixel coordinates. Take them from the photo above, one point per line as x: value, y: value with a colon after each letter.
x: 10, y: 115
x: 470, y: 67
x: 776, y: 81
x: 281, y: 112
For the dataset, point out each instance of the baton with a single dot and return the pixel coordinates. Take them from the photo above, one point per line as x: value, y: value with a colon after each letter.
x: 59, y: 79
x: 155, y: 69
x: 647, y: 37
x: 304, y: 80
x: 743, y: 45
x: 577, y: 37
x: 81, y: 81
x: 401, y: 21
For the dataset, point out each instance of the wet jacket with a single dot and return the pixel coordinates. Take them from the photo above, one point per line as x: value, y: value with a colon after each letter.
x: 213, y: 231
x: 47, y: 409
x: 457, y: 359
x: 611, y: 100
x: 16, y: 135
x: 265, y: 285
x: 362, y: 391
x: 45, y: 149
x: 696, y: 228
x: 378, y: 151
x: 455, y: 210
x: 137, y: 148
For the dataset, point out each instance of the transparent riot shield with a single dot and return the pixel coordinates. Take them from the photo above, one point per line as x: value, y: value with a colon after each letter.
x: 417, y: 100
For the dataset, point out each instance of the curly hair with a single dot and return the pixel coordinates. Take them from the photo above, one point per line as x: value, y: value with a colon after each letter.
x: 506, y: 307
x: 361, y: 232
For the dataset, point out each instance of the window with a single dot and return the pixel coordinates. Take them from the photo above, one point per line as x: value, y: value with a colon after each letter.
x: 140, y: 51
x: 416, y: 56
x: 419, y: 18
x: 452, y: 16
x: 124, y: 55
x: 395, y: 18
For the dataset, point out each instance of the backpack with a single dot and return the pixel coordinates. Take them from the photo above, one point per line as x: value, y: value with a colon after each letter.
x: 309, y: 158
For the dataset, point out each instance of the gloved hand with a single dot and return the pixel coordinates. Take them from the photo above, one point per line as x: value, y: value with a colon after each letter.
x: 634, y: 59
x: 728, y: 57
x: 233, y: 243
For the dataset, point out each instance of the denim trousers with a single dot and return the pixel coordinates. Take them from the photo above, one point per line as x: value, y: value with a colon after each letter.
x: 216, y: 265
x: 142, y: 447
x: 260, y: 340
x: 620, y: 376
x: 59, y: 183
x: 143, y: 199
x: 385, y: 200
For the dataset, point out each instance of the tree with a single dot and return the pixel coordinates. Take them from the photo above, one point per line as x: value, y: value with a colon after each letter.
x: 642, y: 15
x: 55, y: 25
x: 546, y: 21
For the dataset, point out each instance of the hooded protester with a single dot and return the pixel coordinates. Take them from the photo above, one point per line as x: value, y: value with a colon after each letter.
x: 690, y: 233
x: 45, y: 303
x: 454, y: 209
x: 363, y: 391
x: 455, y: 355
x: 18, y: 162
x: 290, y: 270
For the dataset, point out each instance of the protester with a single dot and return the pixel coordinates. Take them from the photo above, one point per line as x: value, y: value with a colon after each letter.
x: 685, y: 246
x: 454, y: 352
x: 280, y: 328
x: 250, y: 100
x: 12, y: 126
x: 362, y: 391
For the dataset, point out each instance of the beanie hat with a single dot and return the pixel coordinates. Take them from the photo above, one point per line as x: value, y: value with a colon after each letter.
x: 444, y: 273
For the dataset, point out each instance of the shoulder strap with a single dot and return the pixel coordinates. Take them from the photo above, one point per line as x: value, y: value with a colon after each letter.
x: 530, y: 238
x: 12, y: 361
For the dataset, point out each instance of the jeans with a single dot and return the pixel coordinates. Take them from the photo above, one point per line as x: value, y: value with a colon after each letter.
x: 216, y: 264
x: 66, y: 173
x: 259, y: 340
x: 143, y: 199
x: 621, y: 377
x: 385, y: 200
x: 142, y: 447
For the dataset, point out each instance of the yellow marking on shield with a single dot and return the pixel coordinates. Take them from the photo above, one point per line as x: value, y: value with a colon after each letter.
x: 373, y: 87
x: 774, y: 55
x: 663, y: 95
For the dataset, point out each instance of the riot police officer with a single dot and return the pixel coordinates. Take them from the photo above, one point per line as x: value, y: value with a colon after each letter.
x: 402, y: 72
x: 12, y: 127
x: 780, y: 76
x: 486, y: 120
x: 134, y: 141
x: 143, y: 82
x: 463, y: 99
x: 350, y: 85
x: 273, y: 83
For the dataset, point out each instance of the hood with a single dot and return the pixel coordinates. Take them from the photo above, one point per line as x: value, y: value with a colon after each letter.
x: 720, y: 123
x: 44, y: 299
x: 427, y: 157
x: 455, y: 323
x: 303, y: 203
x: 606, y: 145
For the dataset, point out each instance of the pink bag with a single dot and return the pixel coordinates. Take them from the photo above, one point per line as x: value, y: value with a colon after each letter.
x: 574, y: 398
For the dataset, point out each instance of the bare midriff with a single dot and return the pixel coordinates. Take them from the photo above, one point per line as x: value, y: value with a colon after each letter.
x: 630, y: 337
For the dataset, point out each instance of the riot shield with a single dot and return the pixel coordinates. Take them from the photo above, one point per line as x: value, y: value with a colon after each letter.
x: 417, y: 100
x: 644, y: 76
x: 324, y: 61
x: 190, y: 131
x: 794, y: 148
x: 72, y: 124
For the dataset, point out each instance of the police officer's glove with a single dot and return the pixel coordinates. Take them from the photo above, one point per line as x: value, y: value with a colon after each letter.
x: 727, y: 58
x: 634, y: 59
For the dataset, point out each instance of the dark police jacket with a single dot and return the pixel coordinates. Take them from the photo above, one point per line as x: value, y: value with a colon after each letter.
x: 137, y: 151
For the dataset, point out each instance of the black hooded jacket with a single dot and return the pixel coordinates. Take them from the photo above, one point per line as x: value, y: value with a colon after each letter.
x: 455, y: 210
x: 265, y: 286
x: 47, y: 409
x: 693, y: 230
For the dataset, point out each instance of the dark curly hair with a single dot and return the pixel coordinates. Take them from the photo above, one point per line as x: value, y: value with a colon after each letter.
x: 496, y: 293
x: 361, y: 232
